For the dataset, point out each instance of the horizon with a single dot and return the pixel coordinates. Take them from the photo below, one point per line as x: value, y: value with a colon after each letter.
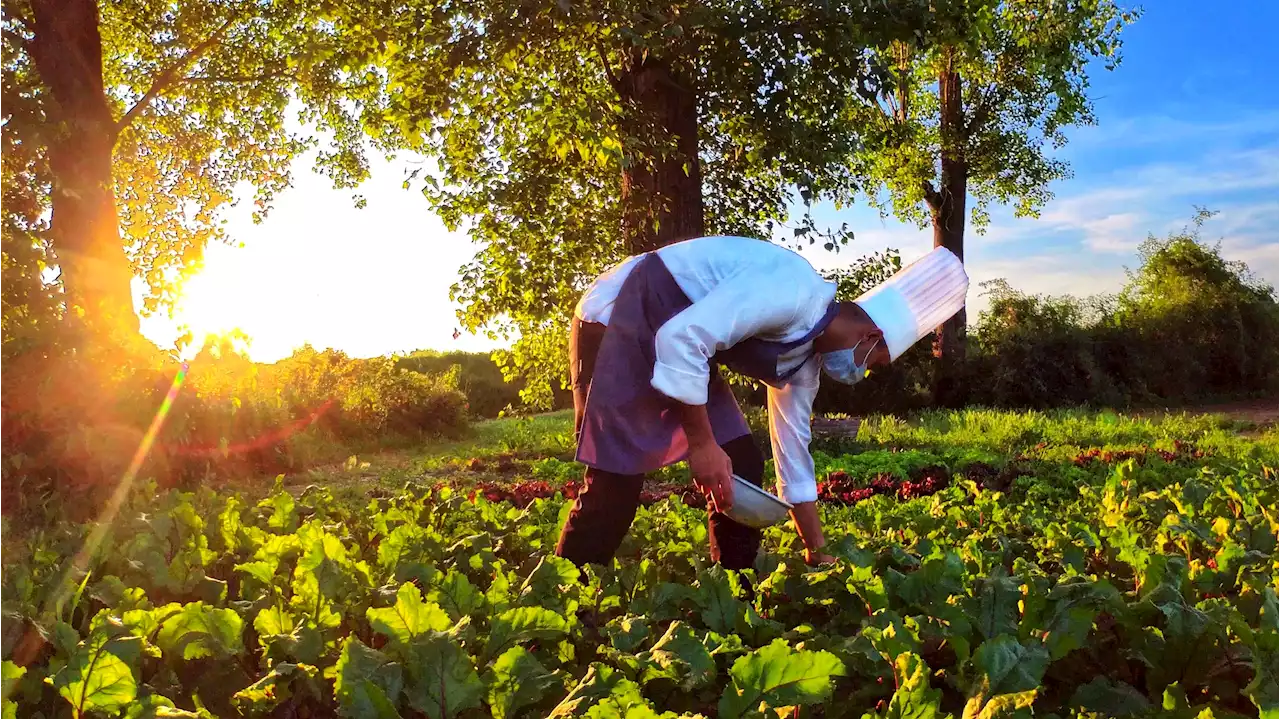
x: 1189, y: 118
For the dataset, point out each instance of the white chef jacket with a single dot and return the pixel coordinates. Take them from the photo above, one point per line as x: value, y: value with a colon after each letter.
x: 740, y: 288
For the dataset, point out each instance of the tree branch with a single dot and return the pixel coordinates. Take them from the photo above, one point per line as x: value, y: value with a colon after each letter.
x: 608, y: 69
x: 931, y: 195
x: 991, y: 98
x: 981, y: 113
x: 169, y: 75
x: 239, y: 78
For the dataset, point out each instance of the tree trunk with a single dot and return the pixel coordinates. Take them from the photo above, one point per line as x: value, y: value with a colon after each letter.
x: 96, y: 276
x: 947, y: 207
x: 662, y: 191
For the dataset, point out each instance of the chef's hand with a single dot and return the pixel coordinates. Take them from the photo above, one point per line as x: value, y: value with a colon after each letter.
x: 713, y: 473
x: 817, y: 558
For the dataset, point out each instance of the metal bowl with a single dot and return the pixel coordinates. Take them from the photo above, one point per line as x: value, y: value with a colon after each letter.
x: 755, y: 507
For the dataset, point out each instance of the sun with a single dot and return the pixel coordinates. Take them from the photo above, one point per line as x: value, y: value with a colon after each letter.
x: 212, y: 303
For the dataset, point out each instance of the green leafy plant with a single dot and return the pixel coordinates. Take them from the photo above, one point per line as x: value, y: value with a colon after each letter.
x: 1111, y: 583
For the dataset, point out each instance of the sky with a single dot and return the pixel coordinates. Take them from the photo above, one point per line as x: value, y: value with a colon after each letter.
x: 1189, y: 118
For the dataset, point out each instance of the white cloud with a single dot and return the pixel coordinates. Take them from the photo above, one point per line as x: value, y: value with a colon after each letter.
x: 1112, y: 233
x: 1151, y: 130
x: 1084, y: 239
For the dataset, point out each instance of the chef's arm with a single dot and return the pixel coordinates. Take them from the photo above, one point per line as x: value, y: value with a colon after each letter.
x: 710, y: 466
x: 696, y: 423
x: 805, y: 517
x: 735, y: 309
x: 790, y: 410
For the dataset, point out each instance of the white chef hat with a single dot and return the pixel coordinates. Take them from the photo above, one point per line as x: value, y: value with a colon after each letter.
x: 917, y: 299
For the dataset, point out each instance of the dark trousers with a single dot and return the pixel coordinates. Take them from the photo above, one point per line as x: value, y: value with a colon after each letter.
x: 607, y: 504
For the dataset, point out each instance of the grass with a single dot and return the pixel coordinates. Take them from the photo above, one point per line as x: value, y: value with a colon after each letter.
x: 1010, y: 432
x: 541, y: 446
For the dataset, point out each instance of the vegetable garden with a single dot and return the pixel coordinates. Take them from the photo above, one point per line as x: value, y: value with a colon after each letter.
x: 989, y: 565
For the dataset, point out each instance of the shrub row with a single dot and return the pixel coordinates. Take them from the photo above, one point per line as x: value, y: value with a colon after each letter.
x: 71, y: 421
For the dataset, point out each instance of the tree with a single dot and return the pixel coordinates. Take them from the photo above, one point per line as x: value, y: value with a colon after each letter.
x: 135, y: 122
x: 965, y: 118
x: 571, y: 134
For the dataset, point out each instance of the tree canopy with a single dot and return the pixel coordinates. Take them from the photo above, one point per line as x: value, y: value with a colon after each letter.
x: 569, y: 135
x: 971, y: 116
x: 130, y: 126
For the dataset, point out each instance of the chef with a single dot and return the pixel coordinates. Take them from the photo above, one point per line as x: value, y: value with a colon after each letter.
x: 646, y: 342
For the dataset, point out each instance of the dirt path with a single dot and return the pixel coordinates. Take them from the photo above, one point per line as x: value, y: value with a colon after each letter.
x: 1253, y: 411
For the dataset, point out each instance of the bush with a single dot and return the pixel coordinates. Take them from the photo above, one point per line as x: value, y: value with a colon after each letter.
x: 72, y: 421
x: 1035, y: 352
x: 479, y: 378
x: 1188, y: 326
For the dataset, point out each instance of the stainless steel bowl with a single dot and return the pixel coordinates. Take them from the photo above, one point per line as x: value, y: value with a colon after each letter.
x: 755, y: 507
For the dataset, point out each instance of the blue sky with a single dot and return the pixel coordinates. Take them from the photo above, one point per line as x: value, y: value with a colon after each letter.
x: 1189, y: 118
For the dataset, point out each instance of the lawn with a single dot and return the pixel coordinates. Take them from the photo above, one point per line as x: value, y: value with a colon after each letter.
x: 990, y: 564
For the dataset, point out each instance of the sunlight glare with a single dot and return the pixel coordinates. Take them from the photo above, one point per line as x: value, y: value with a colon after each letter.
x: 213, y: 303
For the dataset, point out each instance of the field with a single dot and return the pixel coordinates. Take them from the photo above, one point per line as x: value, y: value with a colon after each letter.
x: 990, y: 565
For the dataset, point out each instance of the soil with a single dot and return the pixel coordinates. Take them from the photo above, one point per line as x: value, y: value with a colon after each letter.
x: 1253, y: 411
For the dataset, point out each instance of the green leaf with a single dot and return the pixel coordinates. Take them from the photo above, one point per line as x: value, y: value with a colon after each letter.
x: 262, y: 570
x: 1008, y: 666
x: 891, y: 636
x: 1270, y: 611
x: 627, y: 633
x: 1264, y: 689
x: 273, y: 620
x: 1008, y: 674
x: 516, y: 680
x: 410, y: 619
x: 544, y: 583
x: 726, y: 645
x: 154, y: 706
x: 325, y: 568
x: 1112, y: 699
x: 11, y: 674
x: 720, y: 610
x: 937, y: 579
x: 366, y: 683
x: 913, y: 699
x: 864, y: 581
x: 522, y: 624
x: 282, y: 638
x: 680, y: 657
x: 757, y: 630
x: 456, y: 595
x: 625, y: 702
x: 997, y: 607
x: 1075, y: 603
x: 779, y: 676
x: 266, y: 694
x: 1004, y: 706
x: 284, y: 515
x: 600, y: 681
x: 199, y: 631
x: 65, y: 638
x: 442, y: 680
x: 100, y: 676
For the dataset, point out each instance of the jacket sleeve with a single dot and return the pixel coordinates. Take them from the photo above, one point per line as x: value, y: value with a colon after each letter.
x: 737, y: 308
x: 790, y: 410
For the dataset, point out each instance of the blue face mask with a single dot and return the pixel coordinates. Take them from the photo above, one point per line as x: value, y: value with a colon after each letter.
x: 842, y: 367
